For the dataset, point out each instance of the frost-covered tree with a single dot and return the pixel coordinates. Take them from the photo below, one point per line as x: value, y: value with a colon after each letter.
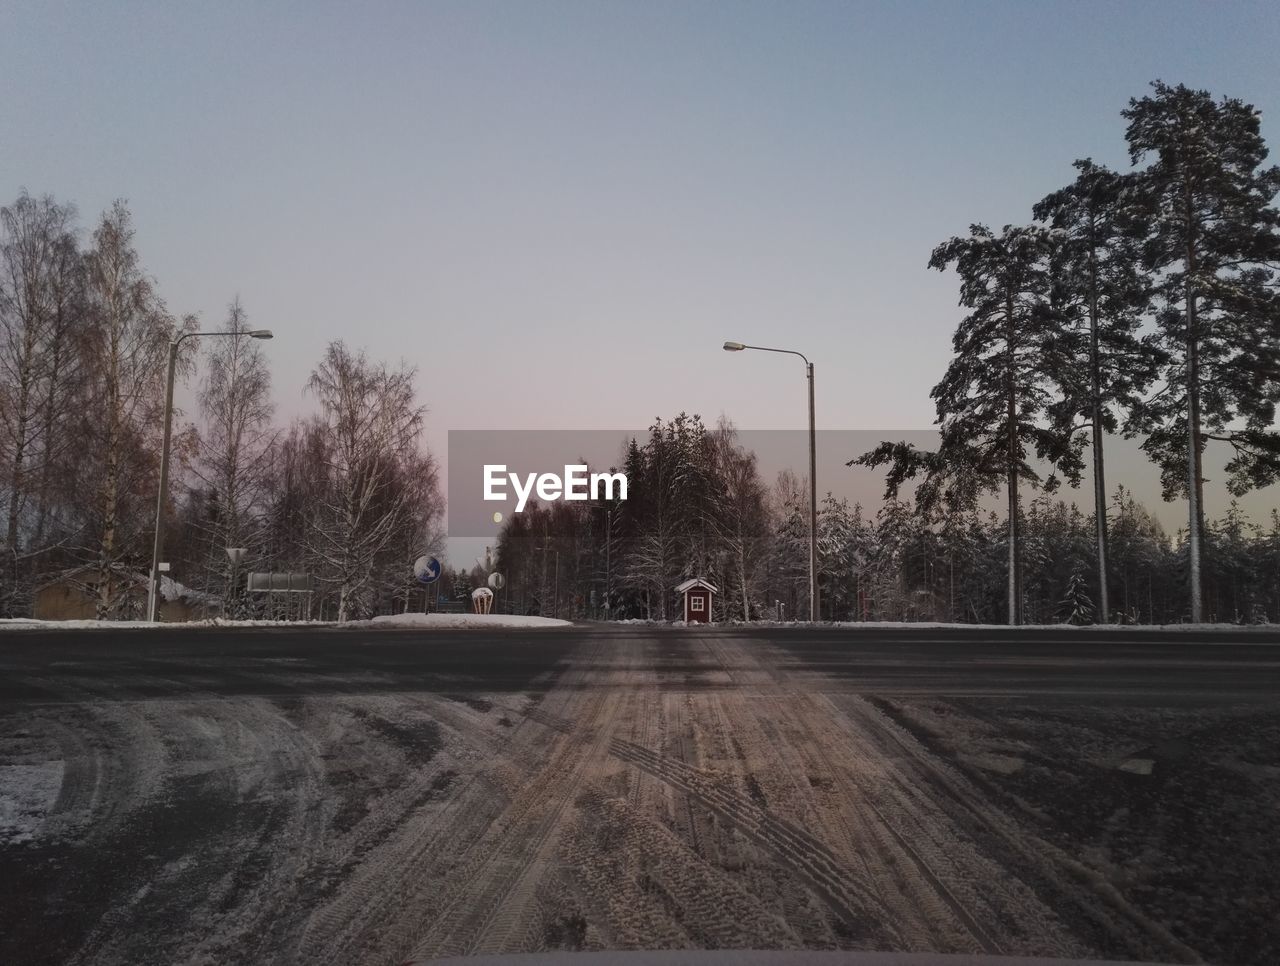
x: 1099, y: 294
x: 845, y: 547
x: 1142, y: 561
x: 1234, y: 586
x: 128, y: 333
x: 1212, y: 244
x: 739, y: 521
x: 1076, y: 607
x: 40, y: 283
x: 235, y: 405
x: 789, y: 553
x: 668, y: 517
x: 373, y: 423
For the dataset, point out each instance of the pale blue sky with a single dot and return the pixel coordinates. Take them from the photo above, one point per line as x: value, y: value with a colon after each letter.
x: 560, y: 210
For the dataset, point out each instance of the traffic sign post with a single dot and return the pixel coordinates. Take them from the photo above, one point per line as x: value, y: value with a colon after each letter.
x: 426, y: 570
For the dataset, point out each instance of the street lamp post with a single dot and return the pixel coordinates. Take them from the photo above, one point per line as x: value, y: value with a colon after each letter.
x: 153, y: 590
x: 813, y: 473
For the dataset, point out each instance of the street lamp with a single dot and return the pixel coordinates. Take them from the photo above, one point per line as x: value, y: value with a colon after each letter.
x: 813, y: 473
x: 153, y: 590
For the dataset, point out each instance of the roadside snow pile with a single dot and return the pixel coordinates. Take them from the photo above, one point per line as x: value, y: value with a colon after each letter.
x: 30, y: 623
x: 423, y: 621
x: 928, y: 625
x: 460, y: 620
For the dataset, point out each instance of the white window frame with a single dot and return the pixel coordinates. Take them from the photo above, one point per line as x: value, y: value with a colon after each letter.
x: 695, y: 604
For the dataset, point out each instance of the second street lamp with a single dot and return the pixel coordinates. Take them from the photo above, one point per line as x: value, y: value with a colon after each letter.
x: 153, y: 589
x: 813, y: 472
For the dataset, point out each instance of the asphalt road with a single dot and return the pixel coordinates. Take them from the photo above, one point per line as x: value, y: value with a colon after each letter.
x: 1202, y: 665
x: 340, y: 795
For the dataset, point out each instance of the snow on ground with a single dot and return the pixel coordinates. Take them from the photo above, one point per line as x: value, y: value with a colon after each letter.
x: 424, y: 621
x: 27, y: 792
x: 941, y: 625
x: 944, y: 626
x: 30, y: 623
x: 451, y: 621
x: 462, y: 620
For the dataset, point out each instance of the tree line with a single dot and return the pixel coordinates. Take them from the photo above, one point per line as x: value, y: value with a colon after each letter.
x: 1142, y: 302
x: 699, y: 507
x: 347, y: 494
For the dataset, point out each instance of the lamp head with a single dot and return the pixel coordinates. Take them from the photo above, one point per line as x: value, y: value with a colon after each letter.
x: 261, y: 334
x: 733, y: 347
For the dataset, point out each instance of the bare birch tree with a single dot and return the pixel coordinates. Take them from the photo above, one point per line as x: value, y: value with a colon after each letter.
x: 236, y: 409
x: 130, y: 331
x: 741, y: 522
x: 373, y: 422
x: 38, y: 278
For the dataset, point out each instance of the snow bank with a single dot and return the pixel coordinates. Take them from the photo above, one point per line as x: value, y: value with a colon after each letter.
x: 1056, y: 627
x: 30, y: 623
x: 461, y: 620
x: 424, y: 621
x: 943, y: 626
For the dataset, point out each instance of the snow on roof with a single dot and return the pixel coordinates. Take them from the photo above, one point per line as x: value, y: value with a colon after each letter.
x: 696, y: 582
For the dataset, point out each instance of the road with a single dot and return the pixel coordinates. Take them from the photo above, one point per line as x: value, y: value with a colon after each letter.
x: 352, y: 796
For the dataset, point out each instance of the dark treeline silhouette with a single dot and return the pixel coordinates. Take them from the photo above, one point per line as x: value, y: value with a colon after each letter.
x: 1143, y: 302
x: 698, y: 507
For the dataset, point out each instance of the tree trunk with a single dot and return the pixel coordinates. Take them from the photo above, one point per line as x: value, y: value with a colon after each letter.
x: 110, y: 494
x: 1099, y: 475
x: 1011, y: 403
x: 49, y: 420
x: 1195, y: 482
x: 23, y: 420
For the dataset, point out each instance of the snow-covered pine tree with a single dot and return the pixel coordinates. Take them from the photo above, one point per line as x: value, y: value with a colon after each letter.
x: 1212, y: 243
x: 1076, y: 607
x: 994, y: 395
x: 1099, y: 294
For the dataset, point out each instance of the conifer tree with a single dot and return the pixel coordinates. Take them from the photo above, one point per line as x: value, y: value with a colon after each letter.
x: 994, y: 395
x: 1099, y: 293
x: 1211, y: 240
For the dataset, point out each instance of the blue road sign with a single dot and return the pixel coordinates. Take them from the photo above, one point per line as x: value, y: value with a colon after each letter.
x: 427, y: 570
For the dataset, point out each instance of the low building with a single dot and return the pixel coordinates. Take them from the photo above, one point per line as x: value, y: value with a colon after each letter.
x: 74, y: 595
x: 698, y: 596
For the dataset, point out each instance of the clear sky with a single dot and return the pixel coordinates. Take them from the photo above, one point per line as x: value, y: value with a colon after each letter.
x: 558, y: 211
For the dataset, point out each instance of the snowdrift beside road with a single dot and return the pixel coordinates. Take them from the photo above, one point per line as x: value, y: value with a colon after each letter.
x: 423, y: 621
x: 461, y: 620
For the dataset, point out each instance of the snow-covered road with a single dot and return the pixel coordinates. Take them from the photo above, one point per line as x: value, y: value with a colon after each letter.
x: 324, y: 796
